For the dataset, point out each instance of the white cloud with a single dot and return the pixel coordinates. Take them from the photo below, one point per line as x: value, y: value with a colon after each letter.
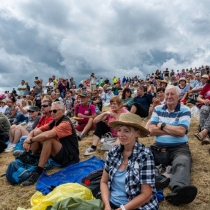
x: 110, y: 38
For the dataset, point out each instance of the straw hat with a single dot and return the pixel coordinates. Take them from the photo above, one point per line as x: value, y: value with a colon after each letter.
x: 132, y: 120
x: 4, y: 101
x: 182, y: 79
x: 205, y: 76
x: 164, y: 81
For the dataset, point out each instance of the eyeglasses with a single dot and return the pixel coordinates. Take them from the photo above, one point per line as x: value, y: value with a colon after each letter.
x: 29, y: 111
x: 54, y: 111
x: 44, y: 105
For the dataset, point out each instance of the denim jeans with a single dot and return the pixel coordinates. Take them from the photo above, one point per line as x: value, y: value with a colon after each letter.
x: 21, y: 118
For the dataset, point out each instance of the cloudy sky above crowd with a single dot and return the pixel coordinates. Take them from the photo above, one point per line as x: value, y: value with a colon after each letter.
x: 111, y: 38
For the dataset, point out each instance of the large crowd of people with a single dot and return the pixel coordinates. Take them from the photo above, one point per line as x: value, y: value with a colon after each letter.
x: 129, y: 180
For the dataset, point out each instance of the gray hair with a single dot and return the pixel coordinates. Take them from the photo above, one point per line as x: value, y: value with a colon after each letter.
x: 174, y: 87
x: 60, y: 103
x: 198, y: 74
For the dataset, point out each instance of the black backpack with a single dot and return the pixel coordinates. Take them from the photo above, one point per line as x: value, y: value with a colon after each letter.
x: 92, y: 181
x: 3, y: 145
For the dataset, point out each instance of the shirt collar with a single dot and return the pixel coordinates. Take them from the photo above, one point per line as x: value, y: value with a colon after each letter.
x: 165, y: 107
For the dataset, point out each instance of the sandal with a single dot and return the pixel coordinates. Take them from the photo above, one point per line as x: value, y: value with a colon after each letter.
x: 205, y: 141
x: 199, y: 136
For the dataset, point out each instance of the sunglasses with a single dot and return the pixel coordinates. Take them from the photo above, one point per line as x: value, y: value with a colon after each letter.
x: 29, y: 111
x: 44, y: 105
x: 54, y: 111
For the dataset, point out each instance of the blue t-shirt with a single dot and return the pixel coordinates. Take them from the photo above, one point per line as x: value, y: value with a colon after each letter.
x: 117, y: 193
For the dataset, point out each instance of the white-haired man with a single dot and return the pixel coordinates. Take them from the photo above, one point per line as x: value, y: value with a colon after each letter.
x: 169, y: 124
x: 56, y: 139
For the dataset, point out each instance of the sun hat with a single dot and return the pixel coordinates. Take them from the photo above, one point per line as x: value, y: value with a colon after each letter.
x: 164, y: 81
x: 182, y: 79
x: 205, y: 76
x: 132, y: 120
x: 4, y: 101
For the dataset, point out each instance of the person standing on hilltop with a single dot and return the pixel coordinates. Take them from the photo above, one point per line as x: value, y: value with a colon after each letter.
x: 114, y: 80
x: 21, y: 88
x: 72, y: 83
x: 55, y: 82
x: 93, y: 79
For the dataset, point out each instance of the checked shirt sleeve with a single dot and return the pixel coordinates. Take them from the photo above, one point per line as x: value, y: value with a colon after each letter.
x: 147, y: 173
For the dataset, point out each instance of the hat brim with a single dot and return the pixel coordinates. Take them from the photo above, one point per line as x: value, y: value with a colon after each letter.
x: 182, y: 80
x: 33, y: 110
x: 143, y: 131
x: 83, y: 96
x: 162, y: 81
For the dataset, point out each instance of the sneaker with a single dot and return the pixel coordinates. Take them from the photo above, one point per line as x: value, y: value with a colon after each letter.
x: 89, y: 151
x: 10, y: 147
x: 31, y: 180
x: 81, y: 136
x: 182, y: 195
x: 17, y: 153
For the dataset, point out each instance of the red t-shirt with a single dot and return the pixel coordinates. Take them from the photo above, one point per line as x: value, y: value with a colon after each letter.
x: 205, y: 92
x: 44, y: 120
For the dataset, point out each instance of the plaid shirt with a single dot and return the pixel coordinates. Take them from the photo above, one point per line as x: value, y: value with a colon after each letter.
x: 140, y: 170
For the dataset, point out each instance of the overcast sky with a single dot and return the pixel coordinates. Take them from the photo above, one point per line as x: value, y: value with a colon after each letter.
x: 111, y: 38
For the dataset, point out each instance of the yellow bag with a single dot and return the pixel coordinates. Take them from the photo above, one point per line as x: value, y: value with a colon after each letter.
x: 40, y: 202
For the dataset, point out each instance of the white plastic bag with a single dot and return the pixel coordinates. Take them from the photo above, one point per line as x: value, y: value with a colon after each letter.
x: 195, y: 111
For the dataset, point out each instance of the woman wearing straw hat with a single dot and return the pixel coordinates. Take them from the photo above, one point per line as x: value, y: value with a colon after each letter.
x: 183, y: 86
x: 128, y: 180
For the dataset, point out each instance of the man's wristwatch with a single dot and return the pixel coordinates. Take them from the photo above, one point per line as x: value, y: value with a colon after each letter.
x: 31, y: 140
x: 162, y: 126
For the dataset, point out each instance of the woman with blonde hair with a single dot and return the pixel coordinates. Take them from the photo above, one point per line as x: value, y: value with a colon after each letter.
x: 128, y: 180
x: 102, y: 122
x: 22, y: 115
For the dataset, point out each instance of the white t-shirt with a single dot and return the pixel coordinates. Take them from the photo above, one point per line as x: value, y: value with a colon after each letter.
x: 2, y: 109
x: 50, y: 84
x: 25, y: 108
x: 93, y: 80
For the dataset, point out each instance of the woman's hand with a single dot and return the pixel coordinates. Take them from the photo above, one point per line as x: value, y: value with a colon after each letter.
x: 155, y: 101
x: 206, y: 102
x: 111, y: 114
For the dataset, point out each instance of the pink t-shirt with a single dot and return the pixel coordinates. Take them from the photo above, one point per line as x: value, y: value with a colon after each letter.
x: 111, y: 119
x: 85, y: 110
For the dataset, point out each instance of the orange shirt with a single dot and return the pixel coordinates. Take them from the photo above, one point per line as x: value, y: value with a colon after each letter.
x: 62, y: 130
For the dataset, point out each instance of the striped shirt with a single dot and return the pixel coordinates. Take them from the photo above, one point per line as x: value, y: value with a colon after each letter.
x: 179, y: 117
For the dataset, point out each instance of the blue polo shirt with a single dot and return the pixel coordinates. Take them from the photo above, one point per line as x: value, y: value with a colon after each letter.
x: 181, y: 116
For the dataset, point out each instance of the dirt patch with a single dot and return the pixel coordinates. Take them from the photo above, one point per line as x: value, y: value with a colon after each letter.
x: 14, y: 196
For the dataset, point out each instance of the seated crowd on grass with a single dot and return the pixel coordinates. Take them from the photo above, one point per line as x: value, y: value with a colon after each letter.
x: 161, y: 98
